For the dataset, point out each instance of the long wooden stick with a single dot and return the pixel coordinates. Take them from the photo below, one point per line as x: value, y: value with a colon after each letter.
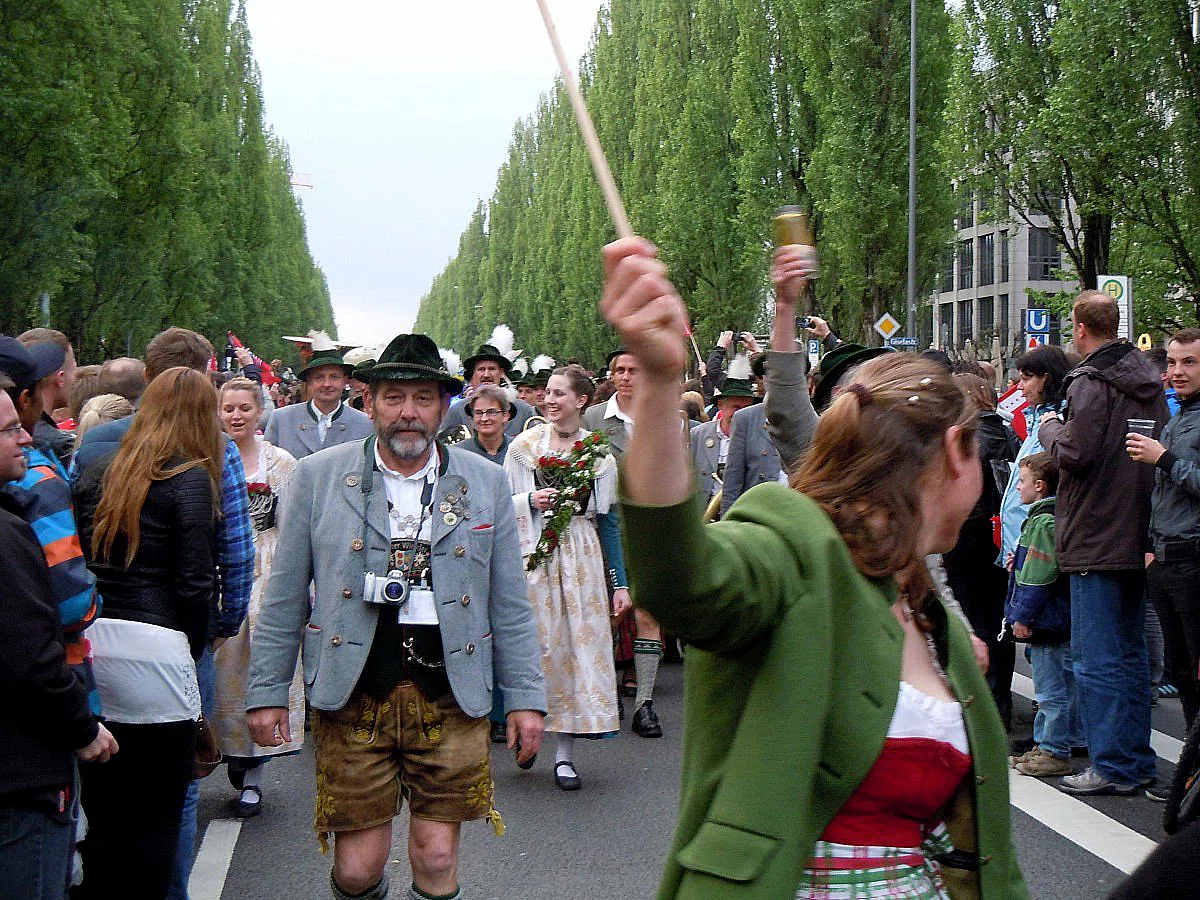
x: 616, y: 209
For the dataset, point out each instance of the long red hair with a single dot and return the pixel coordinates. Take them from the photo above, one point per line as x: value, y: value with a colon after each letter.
x: 175, y: 430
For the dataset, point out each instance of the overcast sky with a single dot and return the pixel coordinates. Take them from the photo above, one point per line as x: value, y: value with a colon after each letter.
x: 400, y: 113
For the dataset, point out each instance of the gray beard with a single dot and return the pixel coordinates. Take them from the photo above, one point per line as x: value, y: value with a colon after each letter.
x: 406, y: 448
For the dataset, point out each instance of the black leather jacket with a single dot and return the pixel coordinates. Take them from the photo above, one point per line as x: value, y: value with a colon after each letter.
x: 172, y: 579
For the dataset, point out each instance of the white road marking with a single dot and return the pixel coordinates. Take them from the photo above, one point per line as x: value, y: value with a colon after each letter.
x: 213, y: 859
x: 1079, y: 823
x: 1164, y: 745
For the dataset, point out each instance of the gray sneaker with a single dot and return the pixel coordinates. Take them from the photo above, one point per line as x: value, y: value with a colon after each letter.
x: 1089, y: 782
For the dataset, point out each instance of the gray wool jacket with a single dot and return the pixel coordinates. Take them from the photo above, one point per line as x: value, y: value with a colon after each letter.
x: 333, y: 528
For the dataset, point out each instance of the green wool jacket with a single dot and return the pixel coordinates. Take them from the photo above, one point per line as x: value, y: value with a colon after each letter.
x: 792, y: 672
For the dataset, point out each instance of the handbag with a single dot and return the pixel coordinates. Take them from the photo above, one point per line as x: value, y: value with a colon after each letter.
x: 208, y: 754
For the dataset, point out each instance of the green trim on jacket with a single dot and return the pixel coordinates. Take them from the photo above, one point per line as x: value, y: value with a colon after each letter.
x: 792, y: 672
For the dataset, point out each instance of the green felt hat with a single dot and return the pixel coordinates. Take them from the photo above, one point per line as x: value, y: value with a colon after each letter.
x: 325, y: 358
x: 411, y: 357
x: 736, y: 387
x: 836, y: 363
x: 486, y: 352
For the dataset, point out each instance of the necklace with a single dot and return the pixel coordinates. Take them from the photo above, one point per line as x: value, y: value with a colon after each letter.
x: 567, y: 434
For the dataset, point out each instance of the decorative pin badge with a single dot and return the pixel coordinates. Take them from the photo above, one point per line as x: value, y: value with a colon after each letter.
x: 460, y: 551
x: 450, y: 519
x: 351, y: 481
x: 445, y: 506
x: 710, y: 443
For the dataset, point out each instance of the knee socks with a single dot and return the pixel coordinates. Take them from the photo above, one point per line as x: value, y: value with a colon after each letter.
x: 379, y: 892
x: 646, y: 656
x: 415, y: 893
x: 565, y: 751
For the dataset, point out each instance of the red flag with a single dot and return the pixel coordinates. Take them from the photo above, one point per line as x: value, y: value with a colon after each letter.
x: 1011, y: 406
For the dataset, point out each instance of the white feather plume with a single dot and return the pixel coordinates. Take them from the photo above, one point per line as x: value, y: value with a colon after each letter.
x: 521, y: 367
x: 321, y: 341
x: 360, y: 355
x: 739, y: 368
x: 543, y: 362
x: 452, y: 360
x: 502, y: 339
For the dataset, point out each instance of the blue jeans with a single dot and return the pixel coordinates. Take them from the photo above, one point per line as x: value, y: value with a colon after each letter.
x: 35, y: 850
x: 1056, y: 727
x: 206, y: 677
x: 1112, y: 674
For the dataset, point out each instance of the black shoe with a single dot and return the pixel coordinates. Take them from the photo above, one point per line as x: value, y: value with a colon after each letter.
x: 620, y: 708
x: 499, y: 733
x: 1158, y: 794
x: 566, y: 777
x: 629, y: 688
x: 645, y: 722
x: 247, y: 810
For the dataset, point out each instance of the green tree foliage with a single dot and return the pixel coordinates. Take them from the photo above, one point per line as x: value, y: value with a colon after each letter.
x: 139, y: 184
x: 712, y: 114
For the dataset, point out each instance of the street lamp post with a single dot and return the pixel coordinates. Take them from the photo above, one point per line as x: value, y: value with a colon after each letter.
x: 911, y: 293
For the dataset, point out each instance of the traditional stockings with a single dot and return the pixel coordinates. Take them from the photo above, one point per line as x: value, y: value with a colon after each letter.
x: 646, y: 657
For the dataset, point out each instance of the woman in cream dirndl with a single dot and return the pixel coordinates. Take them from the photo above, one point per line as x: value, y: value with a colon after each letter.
x: 569, y: 587
x: 268, y: 469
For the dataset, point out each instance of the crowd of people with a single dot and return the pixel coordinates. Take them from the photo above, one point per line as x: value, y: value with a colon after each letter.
x: 423, y: 562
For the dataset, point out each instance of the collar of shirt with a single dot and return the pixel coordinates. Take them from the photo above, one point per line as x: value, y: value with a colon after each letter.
x: 613, y: 409
x: 404, y: 492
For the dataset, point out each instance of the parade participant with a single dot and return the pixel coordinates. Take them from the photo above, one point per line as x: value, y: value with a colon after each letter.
x: 325, y: 420
x: 822, y: 672
x: 148, y: 524
x: 268, y: 470
x: 488, y: 366
x: 540, y: 371
x: 413, y: 549
x: 45, y: 723
x: 490, y: 410
x: 1101, y: 521
x: 56, y: 394
x: 565, y: 567
x: 615, y: 420
x: 522, y: 379
x: 1173, y: 577
x: 710, y: 441
x: 753, y: 457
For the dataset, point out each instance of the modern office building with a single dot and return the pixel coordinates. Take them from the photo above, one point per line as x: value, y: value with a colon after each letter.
x: 983, y: 279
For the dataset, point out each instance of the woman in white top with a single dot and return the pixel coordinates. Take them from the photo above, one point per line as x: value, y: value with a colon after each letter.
x: 268, y: 470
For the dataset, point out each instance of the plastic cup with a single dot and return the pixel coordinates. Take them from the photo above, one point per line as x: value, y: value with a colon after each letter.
x: 1141, y: 426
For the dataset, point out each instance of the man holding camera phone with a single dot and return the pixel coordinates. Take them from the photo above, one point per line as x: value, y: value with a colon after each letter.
x: 419, y: 582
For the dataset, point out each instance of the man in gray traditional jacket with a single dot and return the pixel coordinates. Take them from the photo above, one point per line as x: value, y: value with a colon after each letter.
x: 419, y: 584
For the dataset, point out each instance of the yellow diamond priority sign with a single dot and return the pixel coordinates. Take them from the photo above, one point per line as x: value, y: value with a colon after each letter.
x: 887, y: 326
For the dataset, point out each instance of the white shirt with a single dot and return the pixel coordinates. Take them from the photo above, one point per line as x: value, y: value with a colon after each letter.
x: 614, y: 409
x: 324, y: 420
x: 404, y: 496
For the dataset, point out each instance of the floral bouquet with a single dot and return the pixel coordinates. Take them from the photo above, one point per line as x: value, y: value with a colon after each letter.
x: 572, y: 477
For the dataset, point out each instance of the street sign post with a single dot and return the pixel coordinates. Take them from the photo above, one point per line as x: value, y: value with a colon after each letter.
x: 814, y: 352
x: 906, y: 342
x: 887, y: 326
x: 1037, y: 321
x: 1120, y: 289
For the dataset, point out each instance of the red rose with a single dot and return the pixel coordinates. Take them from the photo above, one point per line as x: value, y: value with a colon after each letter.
x: 578, y: 446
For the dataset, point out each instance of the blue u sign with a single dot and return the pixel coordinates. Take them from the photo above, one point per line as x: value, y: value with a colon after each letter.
x: 1037, y: 321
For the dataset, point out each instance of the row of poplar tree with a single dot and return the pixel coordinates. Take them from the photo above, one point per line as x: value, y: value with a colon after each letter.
x: 139, y: 185
x: 714, y: 112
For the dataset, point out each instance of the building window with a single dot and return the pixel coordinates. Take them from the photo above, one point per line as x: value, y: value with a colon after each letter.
x: 1044, y: 257
x: 966, y: 264
x: 1004, y: 322
x: 946, y: 325
x: 966, y: 324
x: 987, y: 319
x: 946, y: 277
x: 987, y: 259
x: 1005, y: 247
x: 966, y: 209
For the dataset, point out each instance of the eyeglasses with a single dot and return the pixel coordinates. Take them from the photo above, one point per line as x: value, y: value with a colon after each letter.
x: 487, y: 413
x: 12, y: 430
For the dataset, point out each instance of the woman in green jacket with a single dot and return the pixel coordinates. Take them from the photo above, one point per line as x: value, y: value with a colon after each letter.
x: 840, y: 740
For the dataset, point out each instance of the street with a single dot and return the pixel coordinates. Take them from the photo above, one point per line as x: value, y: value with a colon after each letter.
x: 610, y: 838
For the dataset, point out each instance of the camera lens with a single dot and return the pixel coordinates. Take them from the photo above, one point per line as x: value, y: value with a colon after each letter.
x: 394, y: 591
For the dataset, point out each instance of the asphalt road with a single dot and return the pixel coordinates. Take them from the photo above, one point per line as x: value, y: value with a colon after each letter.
x: 610, y: 839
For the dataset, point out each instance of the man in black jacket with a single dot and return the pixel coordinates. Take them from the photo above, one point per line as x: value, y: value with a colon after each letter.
x: 44, y: 719
x: 1101, y: 521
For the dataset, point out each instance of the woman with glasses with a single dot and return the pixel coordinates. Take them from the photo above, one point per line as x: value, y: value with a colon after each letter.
x: 489, y: 410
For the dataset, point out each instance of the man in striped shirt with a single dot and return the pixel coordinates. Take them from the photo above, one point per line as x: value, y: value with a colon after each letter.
x: 43, y: 498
